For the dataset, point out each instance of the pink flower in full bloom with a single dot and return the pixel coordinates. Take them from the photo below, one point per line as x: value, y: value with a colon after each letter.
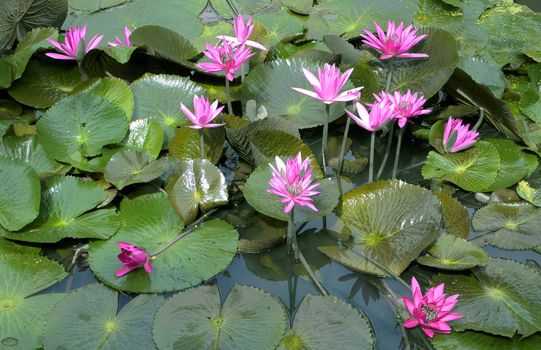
x: 380, y: 113
x: 118, y: 41
x: 458, y: 136
x: 406, y: 105
x: 225, y: 58
x: 74, y: 46
x: 328, y: 85
x: 242, y: 33
x: 432, y: 311
x: 205, y: 112
x: 132, y: 258
x: 293, y: 182
x: 397, y: 41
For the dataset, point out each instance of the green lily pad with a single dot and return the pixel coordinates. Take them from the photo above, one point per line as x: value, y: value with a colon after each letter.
x: 528, y: 193
x: 5, y: 74
x: 18, y: 17
x: 326, y: 322
x: 302, y: 7
x: 246, y: 7
x: 269, y: 84
x: 453, y: 253
x: 150, y: 222
x: 269, y: 204
x: 114, y: 90
x: 159, y: 97
x: 502, y: 298
x: 79, y: 126
x: 22, y: 316
x: 248, y: 319
x: 509, y: 225
x: 196, y: 184
x: 131, y: 167
x: 483, y: 341
x: 121, y: 54
x: 280, y: 25
x: 90, y: 314
x: 165, y: 43
x: 473, y: 169
x: 392, y: 222
x: 186, y: 144
x: 19, y: 194
x: 44, y: 83
x: 86, y: 6
x: 456, y: 219
x: 28, y: 150
x: 435, y: 136
x: 146, y: 135
x: 65, y: 202
x: 11, y: 247
x: 210, y: 32
x: 513, y: 167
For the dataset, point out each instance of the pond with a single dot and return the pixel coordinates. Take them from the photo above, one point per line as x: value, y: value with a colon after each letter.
x: 96, y: 149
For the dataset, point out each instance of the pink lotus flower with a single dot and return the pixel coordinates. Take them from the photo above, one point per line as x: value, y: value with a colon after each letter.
x: 242, y: 33
x: 132, y: 258
x: 225, y: 58
x: 432, y: 311
x: 204, y: 113
x: 397, y: 41
x: 406, y: 105
x: 457, y: 136
x: 380, y: 113
x: 118, y: 42
x: 75, y: 45
x: 293, y: 182
x: 328, y: 85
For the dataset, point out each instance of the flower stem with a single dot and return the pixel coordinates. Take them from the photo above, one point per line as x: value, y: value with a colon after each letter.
x: 390, y: 134
x: 202, y: 143
x: 397, y: 153
x: 324, y: 139
x: 371, y: 164
x: 242, y: 73
x: 291, y: 238
x: 312, y: 275
x: 188, y: 230
x: 480, y: 121
x: 343, y: 148
x: 228, y: 96
x: 82, y: 70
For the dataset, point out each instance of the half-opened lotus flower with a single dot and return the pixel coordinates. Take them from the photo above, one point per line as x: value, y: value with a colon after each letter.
x: 293, y: 182
x: 119, y: 42
x: 243, y: 30
x: 431, y: 311
x: 204, y: 113
x: 380, y: 113
x: 328, y: 84
x: 132, y: 258
x: 458, y: 136
x: 226, y: 58
x: 397, y: 41
x: 74, y: 46
x: 406, y: 105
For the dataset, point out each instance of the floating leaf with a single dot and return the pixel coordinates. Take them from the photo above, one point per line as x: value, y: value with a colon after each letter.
x: 79, y: 126
x: 22, y: 316
x: 483, y: 341
x: 435, y: 137
x: 453, y: 253
x: 131, y: 167
x: 121, y: 54
x: 246, y: 7
x: 269, y: 204
x: 473, y: 169
x: 526, y: 192
x: 392, y: 222
x: 513, y: 167
x: 159, y: 97
x: 280, y: 25
x: 186, y: 144
x: 513, y: 225
x: 65, y: 202
x: 456, y: 219
x: 269, y: 84
x: 326, y: 322
x: 248, y: 319
x: 149, y: 222
x: 196, y: 184
x: 114, y: 90
x: 146, y: 135
x: 502, y: 298
x: 90, y: 314
x: 19, y: 194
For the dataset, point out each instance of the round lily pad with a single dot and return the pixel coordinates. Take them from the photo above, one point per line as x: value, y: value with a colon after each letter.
x: 326, y: 322
x: 280, y: 25
x: 514, y: 166
x: 248, y: 319
x: 483, y: 341
x: 502, y: 298
x: 146, y: 135
x: 79, y: 126
x: 65, y: 202
x: 150, y: 222
x: 456, y: 219
x: 131, y: 167
x: 453, y: 253
x: 509, y: 225
x: 528, y: 193
x: 159, y: 97
x: 392, y: 222
x: 246, y: 7
x: 186, y: 144
x: 269, y: 204
x: 473, y: 169
x: 19, y: 194
x: 21, y: 315
x: 269, y: 84
x: 114, y: 90
x: 90, y: 316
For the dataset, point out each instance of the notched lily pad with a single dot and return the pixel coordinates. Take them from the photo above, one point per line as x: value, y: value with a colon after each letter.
x: 131, y: 167
x: 185, y: 144
x: 528, y: 193
x: 453, y: 253
x: 456, y: 219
